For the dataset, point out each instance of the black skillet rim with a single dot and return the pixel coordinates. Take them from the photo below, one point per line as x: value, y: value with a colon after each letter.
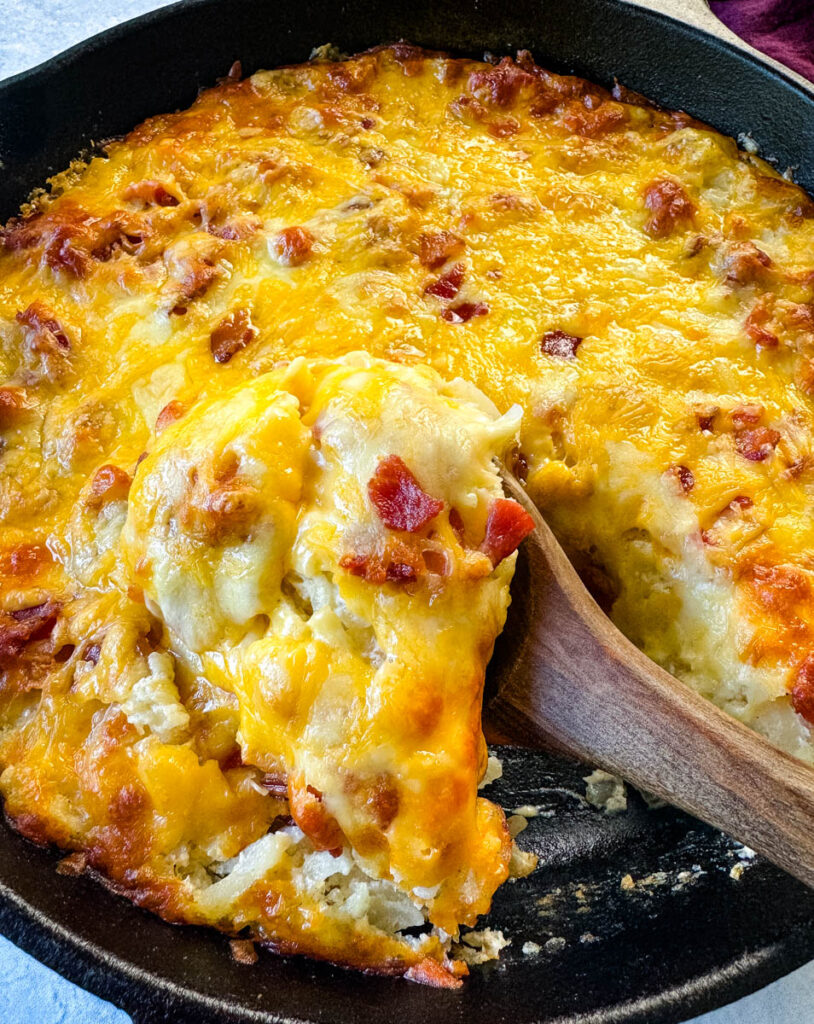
x: 147, y: 995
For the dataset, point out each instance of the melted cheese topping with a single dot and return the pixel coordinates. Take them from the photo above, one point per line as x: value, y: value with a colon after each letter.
x: 643, y: 292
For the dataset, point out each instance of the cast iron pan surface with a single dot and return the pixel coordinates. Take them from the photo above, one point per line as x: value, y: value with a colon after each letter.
x: 681, y: 935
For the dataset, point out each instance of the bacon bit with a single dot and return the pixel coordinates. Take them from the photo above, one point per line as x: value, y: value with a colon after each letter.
x: 171, y: 412
x: 293, y: 246
x: 802, y: 692
x: 448, y: 284
x: 200, y: 276
x: 243, y: 951
x: 560, y: 345
x: 410, y: 58
x: 21, y: 627
x: 739, y: 504
x: 507, y: 525
x: 382, y: 800
x: 457, y: 524
x: 110, y: 483
x: 150, y: 192
x: 745, y: 263
x: 74, y: 865
x: 401, y: 572
x: 435, y: 562
x: 276, y: 783
x: 464, y: 311
x: 237, y: 230
x: 14, y: 407
x: 48, y: 334
x: 746, y: 415
x: 62, y: 254
x: 351, y: 76
x: 503, y: 129
x: 399, y: 499
x: 758, y: 444
x: 437, y: 247
x: 500, y: 85
x: 683, y: 476
x: 802, y: 315
x: 430, y: 972
x: 519, y: 464
x: 755, y: 326
x: 92, y: 654
x: 706, y: 421
x: 584, y: 120
x: 367, y: 123
x: 25, y: 560
x: 669, y: 206
x: 308, y: 811
x: 231, y: 335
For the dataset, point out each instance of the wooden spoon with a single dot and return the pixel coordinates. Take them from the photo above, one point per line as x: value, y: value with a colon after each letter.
x: 571, y: 680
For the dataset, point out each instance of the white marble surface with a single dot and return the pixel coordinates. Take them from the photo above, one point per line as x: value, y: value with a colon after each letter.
x: 34, y: 30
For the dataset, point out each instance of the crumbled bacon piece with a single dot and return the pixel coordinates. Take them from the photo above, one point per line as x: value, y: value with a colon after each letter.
x: 25, y: 560
x: 706, y: 420
x: 293, y: 246
x: 457, y: 523
x: 21, y: 627
x: 110, y: 483
x: 150, y: 192
x: 276, y: 783
x: 802, y: 691
x: 745, y: 263
x: 683, y: 476
x: 430, y: 972
x: 399, y: 500
x: 63, y: 253
x: 757, y: 444
x: 310, y: 814
x: 669, y: 205
x: 243, y: 950
x: 464, y: 311
x: 437, y: 247
x: 589, y: 121
x: 560, y: 345
x: 202, y: 273
x: 48, y: 334
x: 507, y: 525
x: 14, y: 407
x: 411, y: 58
x: 748, y: 415
x: 756, y: 325
x: 231, y: 335
x: 448, y: 284
x: 518, y: 464
x: 92, y: 654
x: 500, y: 85
x: 171, y: 412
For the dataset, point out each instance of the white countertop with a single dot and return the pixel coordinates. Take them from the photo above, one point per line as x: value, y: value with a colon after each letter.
x: 34, y: 30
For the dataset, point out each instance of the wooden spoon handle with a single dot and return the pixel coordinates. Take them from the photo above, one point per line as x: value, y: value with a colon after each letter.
x: 578, y: 682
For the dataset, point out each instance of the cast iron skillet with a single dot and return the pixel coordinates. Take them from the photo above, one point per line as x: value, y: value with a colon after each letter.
x: 688, y: 936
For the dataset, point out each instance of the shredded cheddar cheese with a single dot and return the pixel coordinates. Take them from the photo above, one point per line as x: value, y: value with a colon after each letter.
x: 257, y: 362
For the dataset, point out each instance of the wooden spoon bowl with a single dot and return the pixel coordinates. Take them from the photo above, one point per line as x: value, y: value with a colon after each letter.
x: 569, y: 680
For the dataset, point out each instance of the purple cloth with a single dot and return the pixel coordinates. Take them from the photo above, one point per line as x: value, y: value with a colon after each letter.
x: 784, y: 29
